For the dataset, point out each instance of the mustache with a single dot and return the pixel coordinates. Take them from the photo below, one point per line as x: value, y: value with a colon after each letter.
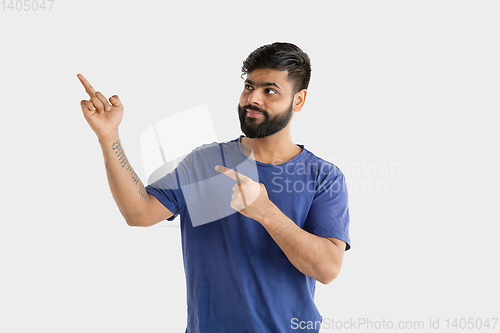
x: 255, y: 108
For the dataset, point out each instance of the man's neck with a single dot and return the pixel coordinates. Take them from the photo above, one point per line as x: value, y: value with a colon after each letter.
x: 274, y: 149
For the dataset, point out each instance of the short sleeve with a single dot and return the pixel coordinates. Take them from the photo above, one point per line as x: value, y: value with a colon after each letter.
x: 168, y: 189
x: 328, y: 215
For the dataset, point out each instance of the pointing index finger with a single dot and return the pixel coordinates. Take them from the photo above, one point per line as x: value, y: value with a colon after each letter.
x: 235, y: 176
x: 228, y: 172
x: 88, y: 87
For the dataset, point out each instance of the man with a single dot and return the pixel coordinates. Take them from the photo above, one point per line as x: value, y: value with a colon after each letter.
x: 252, y: 269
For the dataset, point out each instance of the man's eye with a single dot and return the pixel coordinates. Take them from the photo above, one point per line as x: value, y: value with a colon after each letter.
x: 271, y: 91
x: 248, y: 87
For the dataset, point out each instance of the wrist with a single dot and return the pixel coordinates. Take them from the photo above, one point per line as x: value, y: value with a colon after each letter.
x: 269, y: 214
x: 107, y: 139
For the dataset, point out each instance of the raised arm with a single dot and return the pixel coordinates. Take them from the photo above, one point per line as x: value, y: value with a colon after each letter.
x: 138, y: 207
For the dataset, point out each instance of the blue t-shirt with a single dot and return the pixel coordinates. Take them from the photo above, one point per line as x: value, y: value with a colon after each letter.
x: 237, y: 277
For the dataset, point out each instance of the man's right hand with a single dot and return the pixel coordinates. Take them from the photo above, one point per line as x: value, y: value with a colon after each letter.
x: 103, y: 117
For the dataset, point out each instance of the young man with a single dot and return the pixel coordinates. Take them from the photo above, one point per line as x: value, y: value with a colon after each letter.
x: 262, y: 219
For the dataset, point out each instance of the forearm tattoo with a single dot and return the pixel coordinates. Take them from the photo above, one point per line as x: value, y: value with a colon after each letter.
x: 120, y: 154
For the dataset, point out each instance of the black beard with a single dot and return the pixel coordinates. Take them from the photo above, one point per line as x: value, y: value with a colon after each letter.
x: 269, y: 126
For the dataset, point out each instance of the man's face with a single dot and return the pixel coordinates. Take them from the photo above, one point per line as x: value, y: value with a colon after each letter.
x: 266, y: 103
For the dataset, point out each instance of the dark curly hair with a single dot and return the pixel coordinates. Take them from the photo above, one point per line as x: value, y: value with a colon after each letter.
x: 282, y: 57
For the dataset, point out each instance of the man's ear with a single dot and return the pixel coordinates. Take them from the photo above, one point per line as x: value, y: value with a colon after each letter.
x: 299, y: 99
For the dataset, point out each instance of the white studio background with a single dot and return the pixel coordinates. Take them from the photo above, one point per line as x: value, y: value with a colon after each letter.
x: 402, y: 98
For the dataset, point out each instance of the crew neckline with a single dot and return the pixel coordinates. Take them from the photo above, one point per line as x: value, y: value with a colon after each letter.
x: 269, y: 164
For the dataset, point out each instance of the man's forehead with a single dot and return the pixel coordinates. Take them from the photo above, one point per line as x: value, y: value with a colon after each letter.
x: 260, y: 75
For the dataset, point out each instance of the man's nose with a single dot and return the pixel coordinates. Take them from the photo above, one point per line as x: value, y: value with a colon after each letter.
x: 255, y: 98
